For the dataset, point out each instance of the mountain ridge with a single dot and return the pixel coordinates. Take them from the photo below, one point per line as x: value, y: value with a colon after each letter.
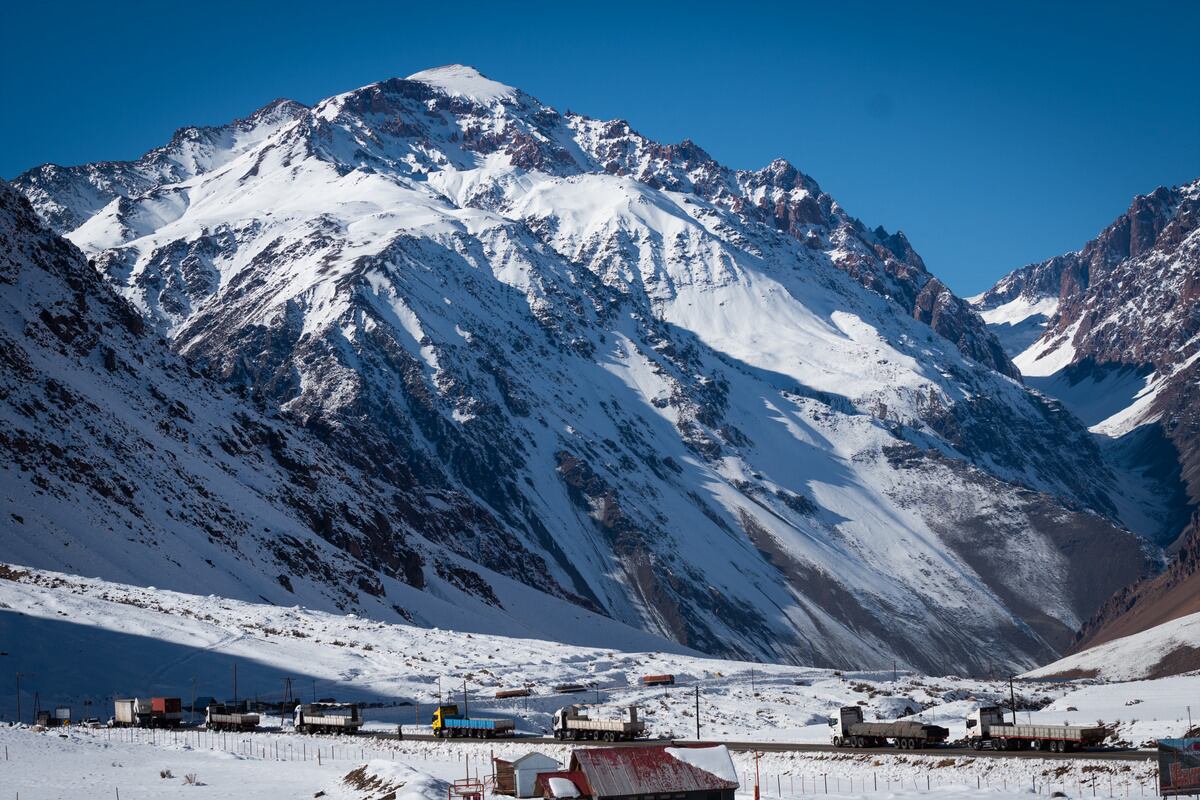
x: 1119, y: 320
x: 716, y: 406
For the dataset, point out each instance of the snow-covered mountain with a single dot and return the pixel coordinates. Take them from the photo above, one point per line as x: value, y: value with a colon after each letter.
x: 1113, y: 331
x: 548, y: 352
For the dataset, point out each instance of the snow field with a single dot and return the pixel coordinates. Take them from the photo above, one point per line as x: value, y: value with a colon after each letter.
x: 45, y: 764
x: 89, y: 640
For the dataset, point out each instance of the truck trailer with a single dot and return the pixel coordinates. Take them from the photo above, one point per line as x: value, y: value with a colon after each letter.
x: 849, y: 730
x: 327, y: 718
x: 132, y: 712
x: 576, y: 722
x: 987, y: 729
x: 166, y: 712
x: 449, y: 724
x: 221, y: 717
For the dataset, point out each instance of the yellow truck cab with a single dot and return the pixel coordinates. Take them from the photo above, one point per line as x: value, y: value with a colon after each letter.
x: 440, y: 715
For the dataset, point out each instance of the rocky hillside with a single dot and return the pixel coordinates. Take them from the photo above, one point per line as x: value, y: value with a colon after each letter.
x: 704, y: 403
x: 120, y: 459
x: 1113, y: 330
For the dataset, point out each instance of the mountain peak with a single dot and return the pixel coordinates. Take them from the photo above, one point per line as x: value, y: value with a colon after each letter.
x: 459, y: 80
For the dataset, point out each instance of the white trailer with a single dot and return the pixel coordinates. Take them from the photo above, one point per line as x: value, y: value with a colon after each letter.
x: 327, y: 718
x: 576, y: 722
x: 131, y: 712
x: 987, y: 729
x: 224, y: 718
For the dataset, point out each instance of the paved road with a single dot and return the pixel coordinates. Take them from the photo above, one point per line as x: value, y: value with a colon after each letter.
x: 791, y: 747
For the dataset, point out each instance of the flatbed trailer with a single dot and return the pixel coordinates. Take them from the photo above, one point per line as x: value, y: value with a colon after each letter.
x: 327, y: 718
x: 850, y: 730
x: 449, y: 724
x: 226, y: 718
x: 987, y: 729
x: 575, y: 722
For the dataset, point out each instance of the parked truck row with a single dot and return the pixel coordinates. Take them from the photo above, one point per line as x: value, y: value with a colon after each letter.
x: 987, y: 729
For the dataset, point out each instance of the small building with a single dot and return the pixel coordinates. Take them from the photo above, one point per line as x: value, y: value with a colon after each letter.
x: 563, y: 785
x: 645, y: 773
x: 517, y: 775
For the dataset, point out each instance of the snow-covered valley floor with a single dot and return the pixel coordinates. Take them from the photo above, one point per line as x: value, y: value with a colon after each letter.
x: 80, y: 642
x: 144, y: 764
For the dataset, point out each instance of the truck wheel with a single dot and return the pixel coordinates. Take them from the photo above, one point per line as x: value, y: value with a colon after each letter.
x: 837, y: 741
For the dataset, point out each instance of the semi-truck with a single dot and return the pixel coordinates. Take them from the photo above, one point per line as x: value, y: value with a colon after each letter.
x: 166, y: 712
x: 132, y: 712
x: 575, y: 722
x: 987, y: 729
x: 222, y: 717
x: 327, y: 718
x: 448, y: 724
x: 850, y: 730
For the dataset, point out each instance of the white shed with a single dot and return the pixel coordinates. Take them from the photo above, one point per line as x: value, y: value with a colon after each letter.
x: 517, y: 775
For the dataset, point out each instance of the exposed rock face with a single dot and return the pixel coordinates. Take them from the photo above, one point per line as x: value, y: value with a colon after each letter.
x: 1123, y: 335
x: 556, y: 355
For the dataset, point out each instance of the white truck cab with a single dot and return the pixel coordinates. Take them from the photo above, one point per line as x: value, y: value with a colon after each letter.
x: 981, y: 720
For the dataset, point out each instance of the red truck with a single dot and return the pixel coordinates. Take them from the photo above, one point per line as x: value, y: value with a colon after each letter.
x: 166, y: 712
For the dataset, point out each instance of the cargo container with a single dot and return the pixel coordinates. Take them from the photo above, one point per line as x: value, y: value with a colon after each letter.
x: 849, y: 730
x: 449, y: 724
x: 576, y: 722
x: 658, y: 680
x: 327, y: 717
x: 505, y: 694
x: 987, y: 729
x: 569, y: 688
x: 166, y: 712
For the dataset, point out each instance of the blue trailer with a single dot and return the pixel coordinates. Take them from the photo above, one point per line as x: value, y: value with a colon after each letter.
x: 449, y: 724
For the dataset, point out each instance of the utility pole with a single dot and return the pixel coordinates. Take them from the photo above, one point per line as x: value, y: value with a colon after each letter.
x: 697, y: 712
x: 756, y: 756
x: 192, y: 713
x: 235, y: 682
x: 19, y: 675
x: 1012, y: 697
x: 466, y: 708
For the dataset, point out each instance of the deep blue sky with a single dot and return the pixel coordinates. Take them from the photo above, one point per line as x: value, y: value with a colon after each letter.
x: 991, y: 137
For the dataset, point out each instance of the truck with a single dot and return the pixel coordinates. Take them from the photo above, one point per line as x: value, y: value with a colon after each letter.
x: 132, y: 712
x: 850, y: 730
x: 327, y: 717
x: 987, y: 729
x: 166, y: 712
x: 575, y: 722
x: 222, y: 717
x: 658, y: 680
x: 447, y: 723
x: 156, y: 712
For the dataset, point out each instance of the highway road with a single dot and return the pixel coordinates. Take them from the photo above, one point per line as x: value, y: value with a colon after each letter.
x: 793, y: 747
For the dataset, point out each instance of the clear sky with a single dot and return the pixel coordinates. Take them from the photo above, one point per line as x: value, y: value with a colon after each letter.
x: 992, y: 136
